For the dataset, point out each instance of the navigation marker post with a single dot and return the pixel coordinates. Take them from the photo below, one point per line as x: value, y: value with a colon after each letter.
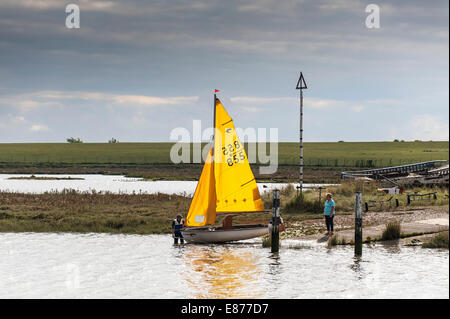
x: 301, y: 84
x: 275, y: 232
x: 358, y: 224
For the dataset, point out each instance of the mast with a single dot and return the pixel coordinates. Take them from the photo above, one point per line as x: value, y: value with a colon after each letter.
x: 214, y: 145
x: 214, y: 118
x: 214, y: 124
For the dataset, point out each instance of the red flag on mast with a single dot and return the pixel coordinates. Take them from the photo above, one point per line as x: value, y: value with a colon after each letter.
x: 216, y: 90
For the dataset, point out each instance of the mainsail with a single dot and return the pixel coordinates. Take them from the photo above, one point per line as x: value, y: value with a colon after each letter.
x: 227, y: 183
x: 235, y: 184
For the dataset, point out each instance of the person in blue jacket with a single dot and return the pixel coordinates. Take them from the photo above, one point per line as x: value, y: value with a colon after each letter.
x: 329, y: 212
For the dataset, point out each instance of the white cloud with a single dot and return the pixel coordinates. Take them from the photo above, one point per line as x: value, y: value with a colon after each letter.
x: 314, y: 103
x: 357, y: 108
x: 55, y: 98
x: 377, y: 102
x: 251, y: 109
x: 317, y: 103
x: 33, y: 4
x: 26, y: 102
x: 38, y: 128
x: 119, y: 98
x: 266, y: 6
x: 57, y: 4
x: 17, y: 119
x: 69, y: 95
x: 153, y: 100
x: 429, y: 127
x: 260, y: 100
x: 423, y: 127
x: 13, y: 120
x: 32, y: 104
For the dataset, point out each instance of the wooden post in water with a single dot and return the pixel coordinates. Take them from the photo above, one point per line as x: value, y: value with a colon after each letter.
x: 275, y: 235
x: 358, y: 224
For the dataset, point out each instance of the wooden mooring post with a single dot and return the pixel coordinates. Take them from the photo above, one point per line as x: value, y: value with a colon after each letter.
x: 320, y: 193
x: 275, y: 234
x: 358, y: 224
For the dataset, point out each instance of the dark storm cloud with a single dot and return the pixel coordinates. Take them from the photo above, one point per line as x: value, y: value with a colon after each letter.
x: 170, y: 49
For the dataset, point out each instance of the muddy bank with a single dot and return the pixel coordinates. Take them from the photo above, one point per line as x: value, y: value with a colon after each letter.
x: 284, y: 173
x: 414, y: 222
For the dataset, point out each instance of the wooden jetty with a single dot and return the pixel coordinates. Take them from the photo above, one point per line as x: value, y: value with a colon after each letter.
x: 424, y: 173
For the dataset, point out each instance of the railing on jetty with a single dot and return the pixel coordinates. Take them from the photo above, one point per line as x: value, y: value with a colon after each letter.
x: 420, y: 196
x: 419, y: 168
x: 440, y: 171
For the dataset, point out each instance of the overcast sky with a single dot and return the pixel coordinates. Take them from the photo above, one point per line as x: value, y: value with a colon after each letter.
x: 135, y: 70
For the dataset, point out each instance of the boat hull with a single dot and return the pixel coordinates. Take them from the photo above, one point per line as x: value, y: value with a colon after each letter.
x: 206, y: 235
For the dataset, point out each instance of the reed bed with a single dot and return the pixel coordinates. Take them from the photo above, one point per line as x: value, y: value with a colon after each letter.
x: 140, y: 213
x: 392, y: 231
x: 440, y: 240
x: 74, y: 211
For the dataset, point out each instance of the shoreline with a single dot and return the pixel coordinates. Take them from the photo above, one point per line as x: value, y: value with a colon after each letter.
x: 72, y: 211
x: 417, y: 225
x: 171, y: 172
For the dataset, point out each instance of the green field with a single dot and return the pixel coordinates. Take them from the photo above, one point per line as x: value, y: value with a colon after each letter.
x: 339, y: 154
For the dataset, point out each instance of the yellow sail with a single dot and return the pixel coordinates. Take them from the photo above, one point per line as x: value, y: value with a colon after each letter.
x: 236, y: 189
x: 227, y: 184
x: 203, y: 206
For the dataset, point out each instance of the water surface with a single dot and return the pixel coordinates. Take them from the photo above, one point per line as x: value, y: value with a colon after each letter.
x: 68, y: 265
x: 109, y: 183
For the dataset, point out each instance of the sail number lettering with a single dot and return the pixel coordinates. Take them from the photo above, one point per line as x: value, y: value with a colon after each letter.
x: 234, y: 153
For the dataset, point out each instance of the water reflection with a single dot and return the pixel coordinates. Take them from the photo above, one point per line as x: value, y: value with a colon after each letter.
x: 356, y: 267
x: 178, y: 251
x: 392, y: 246
x: 274, y: 264
x: 221, y: 272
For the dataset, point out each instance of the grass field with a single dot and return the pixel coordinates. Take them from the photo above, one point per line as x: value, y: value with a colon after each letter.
x: 340, y: 154
x: 323, y: 161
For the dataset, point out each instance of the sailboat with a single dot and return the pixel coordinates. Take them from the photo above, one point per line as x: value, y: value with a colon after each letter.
x: 226, y: 186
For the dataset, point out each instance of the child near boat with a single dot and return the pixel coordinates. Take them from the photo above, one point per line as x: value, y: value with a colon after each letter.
x: 177, y: 227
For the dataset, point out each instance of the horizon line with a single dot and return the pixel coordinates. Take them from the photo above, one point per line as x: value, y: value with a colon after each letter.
x: 155, y: 142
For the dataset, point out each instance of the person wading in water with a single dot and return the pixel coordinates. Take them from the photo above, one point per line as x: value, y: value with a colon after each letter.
x: 329, y: 212
x: 177, y: 227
